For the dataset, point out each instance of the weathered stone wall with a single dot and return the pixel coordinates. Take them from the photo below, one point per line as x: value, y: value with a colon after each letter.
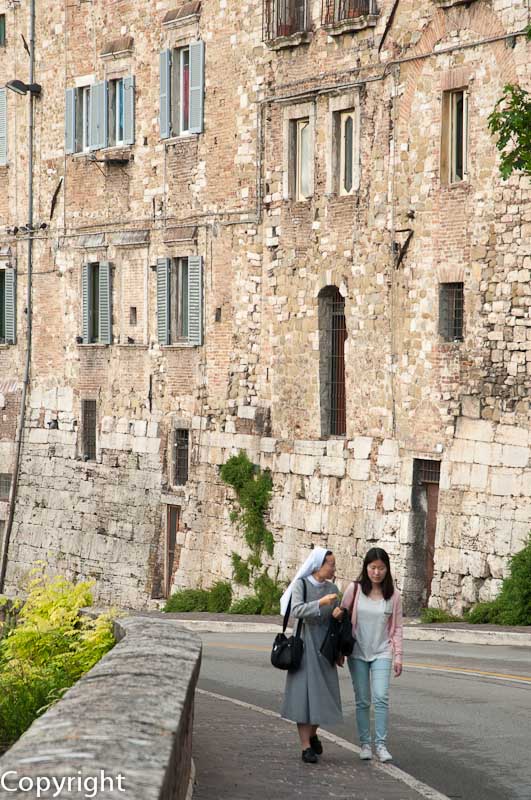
x: 254, y: 384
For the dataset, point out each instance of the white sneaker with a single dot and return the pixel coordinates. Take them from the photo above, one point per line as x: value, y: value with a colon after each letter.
x: 383, y: 753
x: 366, y: 752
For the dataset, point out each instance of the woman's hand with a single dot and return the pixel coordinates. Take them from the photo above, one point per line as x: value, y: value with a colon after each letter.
x: 398, y: 669
x: 340, y: 661
x: 337, y: 613
x: 328, y: 600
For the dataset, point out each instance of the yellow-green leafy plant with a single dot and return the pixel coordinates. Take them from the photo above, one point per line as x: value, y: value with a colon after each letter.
x: 48, y: 650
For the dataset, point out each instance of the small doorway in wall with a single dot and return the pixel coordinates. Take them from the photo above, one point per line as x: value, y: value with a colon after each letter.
x: 421, y: 555
x: 172, y: 550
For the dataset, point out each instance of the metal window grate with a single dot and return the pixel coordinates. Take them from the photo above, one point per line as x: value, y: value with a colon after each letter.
x: 285, y: 18
x: 338, y: 335
x: 180, y: 458
x: 335, y: 11
x: 429, y: 471
x: 5, y: 485
x: 88, y: 422
x: 451, y: 311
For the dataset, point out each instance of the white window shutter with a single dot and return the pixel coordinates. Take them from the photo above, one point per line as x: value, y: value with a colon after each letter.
x: 11, y: 306
x: 165, y: 94
x: 105, y: 303
x: 197, y: 88
x: 195, y: 300
x: 3, y: 127
x: 98, y: 116
x: 163, y: 300
x: 85, y: 295
x: 70, y: 121
x: 129, y: 110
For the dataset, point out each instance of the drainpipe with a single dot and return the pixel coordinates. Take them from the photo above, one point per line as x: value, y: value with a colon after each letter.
x: 22, y: 411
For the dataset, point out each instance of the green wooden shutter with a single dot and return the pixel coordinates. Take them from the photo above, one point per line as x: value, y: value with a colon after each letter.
x: 98, y: 116
x: 105, y: 303
x: 129, y: 110
x: 86, y: 271
x: 197, y: 80
x: 11, y: 306
x: 165, y: 94
x: 163, y: 300
x: 3, y: 127
x: 195, y: 300
x: 70, y: 121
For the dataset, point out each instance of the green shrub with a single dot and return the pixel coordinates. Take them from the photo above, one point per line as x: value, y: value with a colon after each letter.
x: 50, y: 648
x: 429, y: 615
x: 219, y: 598
x: 513, y: 604
x: 187, y: 600
x: 247, y: 605
x: 269, y: 593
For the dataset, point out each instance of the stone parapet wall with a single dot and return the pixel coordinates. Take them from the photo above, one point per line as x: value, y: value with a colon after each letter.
x: 130, y: 716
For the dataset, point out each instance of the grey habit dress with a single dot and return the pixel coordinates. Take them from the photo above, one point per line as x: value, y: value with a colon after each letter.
x: 312, y: 692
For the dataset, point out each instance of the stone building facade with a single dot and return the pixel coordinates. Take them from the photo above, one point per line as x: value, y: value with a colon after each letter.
x: 276, y: 226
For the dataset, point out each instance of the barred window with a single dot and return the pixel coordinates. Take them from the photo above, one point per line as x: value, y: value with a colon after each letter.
x: 180, y: 456
x: 428, y: 471
x: 88, y: 428
x: 451, y: 311
x: 332, y: 337
x: 5, y: 485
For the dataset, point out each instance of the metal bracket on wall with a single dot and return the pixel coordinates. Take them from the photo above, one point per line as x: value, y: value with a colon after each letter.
x: 400, y: 248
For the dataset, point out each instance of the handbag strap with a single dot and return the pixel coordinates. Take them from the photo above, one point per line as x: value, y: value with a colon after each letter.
x: 288, y: 612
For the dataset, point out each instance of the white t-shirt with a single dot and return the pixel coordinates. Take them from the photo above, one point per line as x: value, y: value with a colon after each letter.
x: 372, y: 628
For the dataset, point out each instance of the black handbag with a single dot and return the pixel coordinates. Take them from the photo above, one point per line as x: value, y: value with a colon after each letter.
x: 338, y: 640
x: 287, y: 651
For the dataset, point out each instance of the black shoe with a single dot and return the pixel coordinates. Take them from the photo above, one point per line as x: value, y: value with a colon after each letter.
x: 316, y: 745
x: 309, y: 756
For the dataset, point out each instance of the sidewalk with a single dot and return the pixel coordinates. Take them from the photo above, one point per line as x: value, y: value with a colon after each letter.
x: 414, y: 630
x: 242, y: 753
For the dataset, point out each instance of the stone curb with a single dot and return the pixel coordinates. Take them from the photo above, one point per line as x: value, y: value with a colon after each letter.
x: 411, y: 633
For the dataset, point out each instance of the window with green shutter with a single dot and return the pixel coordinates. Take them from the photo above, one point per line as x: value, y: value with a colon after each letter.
x: 180, y: 300
x: 182, y: 90
x: 2, y: 30
x: 8, y: 301
x: 96, y: 291
x: 2, y: 306
x: 3, y: 127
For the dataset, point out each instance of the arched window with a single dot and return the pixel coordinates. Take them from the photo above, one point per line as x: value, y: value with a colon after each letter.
x: 332, y: 336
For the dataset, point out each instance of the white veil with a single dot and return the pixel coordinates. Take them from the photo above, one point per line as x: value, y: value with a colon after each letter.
x: 312, y: 564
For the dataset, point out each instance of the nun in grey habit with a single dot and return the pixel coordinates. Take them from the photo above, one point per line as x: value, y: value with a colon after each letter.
x: 312, y: 692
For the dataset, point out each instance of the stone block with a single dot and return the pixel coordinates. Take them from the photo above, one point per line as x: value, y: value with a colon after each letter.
x: 107, y: 424
x: 309, y: 448
x: 479, y: 475
x: 508, y: 434
x: 362, y: 446
x: 461, y: 450
x: 282, y: 462
x: 489, y: 454
x: 513, y: 456
x: 145, y: 445
x: 153, y: 430
x: 303, y: 465
x: 335, y: 448
x: 39, y: 436
x: 332, y: 466
x: 461, y: 475
x: 247, y: 412
x: 267, y: 445
x: 505, y: 483
x: 358, y: 470
x: 140, y: 427
x: 122, y: 425
x: 478, y: 430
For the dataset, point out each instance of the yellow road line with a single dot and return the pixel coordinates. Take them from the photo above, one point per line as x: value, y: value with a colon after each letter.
x: 414, y: 665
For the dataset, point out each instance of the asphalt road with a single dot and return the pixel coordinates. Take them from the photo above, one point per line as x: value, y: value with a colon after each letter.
x: 460, y: 714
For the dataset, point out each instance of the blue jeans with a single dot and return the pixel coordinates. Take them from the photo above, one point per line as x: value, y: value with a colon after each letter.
x: 370, y: 680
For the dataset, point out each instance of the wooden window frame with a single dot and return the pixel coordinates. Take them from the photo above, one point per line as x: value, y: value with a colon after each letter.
x: 350, y: 114
x: 170, y: 547
x: 298, y: 126
x: 451, y: 311
x: 180, y: 470
x: 89, y: 448
x: 450, y: 146
x: 178, y: 311
x: 116, y: 104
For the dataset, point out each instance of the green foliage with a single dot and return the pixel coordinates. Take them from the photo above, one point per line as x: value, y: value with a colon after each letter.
x: 247, y: 605
x: 50, y: 648
x: 511, y: 122
x: 429, y: 615
x: 240, y: 570
x: 187, y: 600
x: 513, y: 604
x: 268, y: 592
x: 219, y: 598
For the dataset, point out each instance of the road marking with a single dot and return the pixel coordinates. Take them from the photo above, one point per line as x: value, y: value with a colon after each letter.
x: 500, y: 676
x: 422, y: 788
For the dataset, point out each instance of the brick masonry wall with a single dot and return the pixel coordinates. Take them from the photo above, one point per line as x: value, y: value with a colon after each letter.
x: 255, y: 383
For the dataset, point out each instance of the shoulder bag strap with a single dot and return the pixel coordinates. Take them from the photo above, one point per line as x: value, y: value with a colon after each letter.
x: 299, y: 624
x: 288, y: 611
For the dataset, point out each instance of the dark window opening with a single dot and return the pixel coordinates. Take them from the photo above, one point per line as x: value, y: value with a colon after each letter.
x: 94, y: 291
x: 2, y: 30
x: 341, y: 10
x: 132, y: 315
x: 285, y: 18
x: 332, y: 337
x: 5, y: 485
x: 427, y: 471
x: 88, y: 426
x: 178, y: 311
x: 180, y: 456
x: 2, y: 305
x: 172, y: 549
x: 451, y: 311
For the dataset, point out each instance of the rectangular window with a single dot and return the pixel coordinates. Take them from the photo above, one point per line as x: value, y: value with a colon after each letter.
x: 5, y: 485
x: 285, y: 17
x: 96, y: 303
x: 454, y: 150
x: 180, y: 91
x: 180, y: 456
x: 94, y: 328
x: 82, y: 119
x: 88, y: 428
x: 172, y: 549
x: 301, y: 154
x: 116, y: 112
x: 178, y: 299
x: 2, y: 30
x: 2, y: 305
x: 451, y: 311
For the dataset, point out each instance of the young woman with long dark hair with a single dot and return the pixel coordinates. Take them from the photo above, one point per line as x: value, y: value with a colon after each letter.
x: 375, y: 607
